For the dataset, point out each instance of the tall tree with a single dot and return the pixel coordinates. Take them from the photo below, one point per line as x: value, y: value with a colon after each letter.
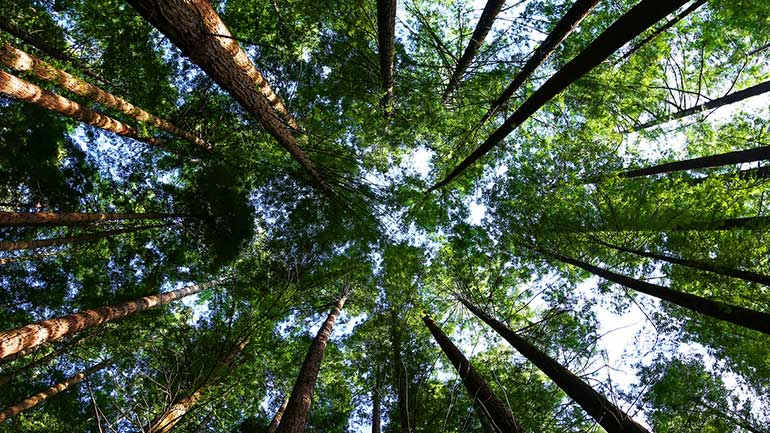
x: 386, y: 37
x: 273, y: 426
x: 72, y: 240
x: 660, y: 30
x: 37, y: 219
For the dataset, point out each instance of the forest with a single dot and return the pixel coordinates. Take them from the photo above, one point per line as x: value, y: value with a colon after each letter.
x: 398, y: 216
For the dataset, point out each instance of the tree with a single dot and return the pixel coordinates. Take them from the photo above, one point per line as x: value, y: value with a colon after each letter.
x: 72, y: 240
x: 15, y: 219
x: 386, y: 36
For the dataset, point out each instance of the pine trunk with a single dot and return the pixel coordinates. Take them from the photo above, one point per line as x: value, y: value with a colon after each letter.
x: 386, y: 41
x: 737, y: 157
x: 38, y: 219
x: 670, y: 23
x: 376, y: 406
x: 295, y: 415
x: 71, y: 240
x: 606, y: 414
x: 278, y: 415
x: 488, y: 404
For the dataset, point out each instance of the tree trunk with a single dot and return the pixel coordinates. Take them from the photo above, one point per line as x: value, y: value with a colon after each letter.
x: 295, y: 415
x: 50, y: 392
x: 712, y: 104
x: 579, y: 10
x: 22, y: 62
x: 484, y: 398
x: 631, y: 24
x: 740, y: 316
x: 606, y: 414
x: 68, y: 240
x: 737, y: 157
x: 746, y: 223
x: 16, y: 88
x: 37, y: 219
x: 491, y: 9
x: 376, y: 404
x: 8, y: 376
x: 196, y: 29
x: 7, y: 260
x: 400, y: 376
x: 50, y: 330
x: 696, y: 264
x: 278, y: 415
x: 663, y: 28
x: 386, y: 37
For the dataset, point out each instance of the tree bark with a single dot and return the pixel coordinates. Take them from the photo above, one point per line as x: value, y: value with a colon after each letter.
x: 50, y: 392
x: 400, y: 376
x: 193, y: 26
x: 8, y: 376
x: 631, y: 24
x: 606, y: 414
x: 736, y: 157
x: 386, y: 42
x: 22, y: 62
x: 663, y: 28
x: 278, y: 415
x: 740, y: 316
x: 484, y: 398
x: 491, y: 9
x: 745, y: 223
x: 38, y: 219
x: 50, y: 330
x: 71, y: 240
x: 295, y: 415
x: 376, y: 404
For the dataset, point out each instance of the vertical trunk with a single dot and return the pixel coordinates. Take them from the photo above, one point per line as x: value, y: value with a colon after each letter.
x: 664, y: 27
x: 491, y: 9
x: 386, y: 42
x: 46, y: 331
x: 22, y: 62
x: 295, y: 415
x: 71, y: 240
x: 50, y: 392
x: 376, y: 403
x: 196, y: 29
x: 740, y: 316
x: 488, y: 404
x: 631, y: 24
x: 606, y: 414
x: 36, y: 219
x: 736, y: 157
x: 278, y: 415
x: 400, y: 376
x: 738, y: 96
x: 17, y: 88
x: 696, y: 264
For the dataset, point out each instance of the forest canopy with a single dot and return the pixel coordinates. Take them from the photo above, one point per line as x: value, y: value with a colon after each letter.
x: 399, y: 216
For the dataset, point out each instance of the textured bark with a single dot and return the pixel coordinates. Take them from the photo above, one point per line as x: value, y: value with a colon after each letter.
x: 295, y: 415
x: 10, y: 375
x: 606, y: 414
x: 71, y: 240
x: 376, y: 406
x: 670, y: 23
x: 50, y: 392
x: 738, y: 96
x: 386, y: 43
x: 488, y: 15
x: 631, y: 24
x: 278, y: 415
x: 50, y: 330
x: 190, y: 25
x: 22, y: 62
x: 16, y: 88
x: 574, y: 16
x: 488, y: 404
x: 29, y: 219
x: 737, y: 157
x: 740, y: 316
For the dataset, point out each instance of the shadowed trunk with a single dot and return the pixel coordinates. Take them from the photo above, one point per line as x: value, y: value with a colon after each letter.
x: 740, y: 316
x: 295, y: 415
x: 37, y: 219
x: 737, y: 157
x: 670, y: 23
x: 631, y: 24
x: 71, y: 240
x: 759, y: 223
x: 278, y: 415
x: 10, y: 375
x: 376, y: 404
x: 386, y: 37
x: 400, y: 376
x: 606, y: 414
x: 487, y: 403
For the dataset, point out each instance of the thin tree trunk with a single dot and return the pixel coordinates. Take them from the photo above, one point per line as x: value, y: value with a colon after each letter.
x: 7, y: 260
x: 192, y: 25
x: 696, y: 264
x: 491, y: 9
x: 740, y: 316
x: 50, y: 392
x: 736, y: 157
x: 663, y: 28
x: 376, y: 403
x: 16, y: 88
x: 37, y: 219
x: 295, y: 415
x: 400, y: 376
x: 50, y: 330
x: 609, y: 416
x: 631, y: 24
x: 747, y: 223
x: 566, y: 25
x: 278, y: 415
x: 386, y: 37
x: 738, y: 96
x: 71, y: 240
x: 22, y: 62
x: 488, y: 403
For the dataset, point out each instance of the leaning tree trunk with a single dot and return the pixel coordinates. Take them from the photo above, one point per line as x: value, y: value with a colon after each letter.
x: 386, y: 42
x: 22, y: 62
x: 37, y: 219
x: 50, y: 392
x: 484, y: 398
x: 746, y: 223
x: 740, y: 316
x: 606, y: 414
x: 632, y: 23
x: 29, y: 367
x: 737, y: 157
x: 50, y: 330
x: 71, y: 240
x: 278, y: 415
x: 670, y: 23
x: 486, y: 20
x: 727, y: 271
x: 196, y: 29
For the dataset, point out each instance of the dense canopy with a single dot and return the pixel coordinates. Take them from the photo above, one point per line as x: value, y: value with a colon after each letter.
x: 402, y: 216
